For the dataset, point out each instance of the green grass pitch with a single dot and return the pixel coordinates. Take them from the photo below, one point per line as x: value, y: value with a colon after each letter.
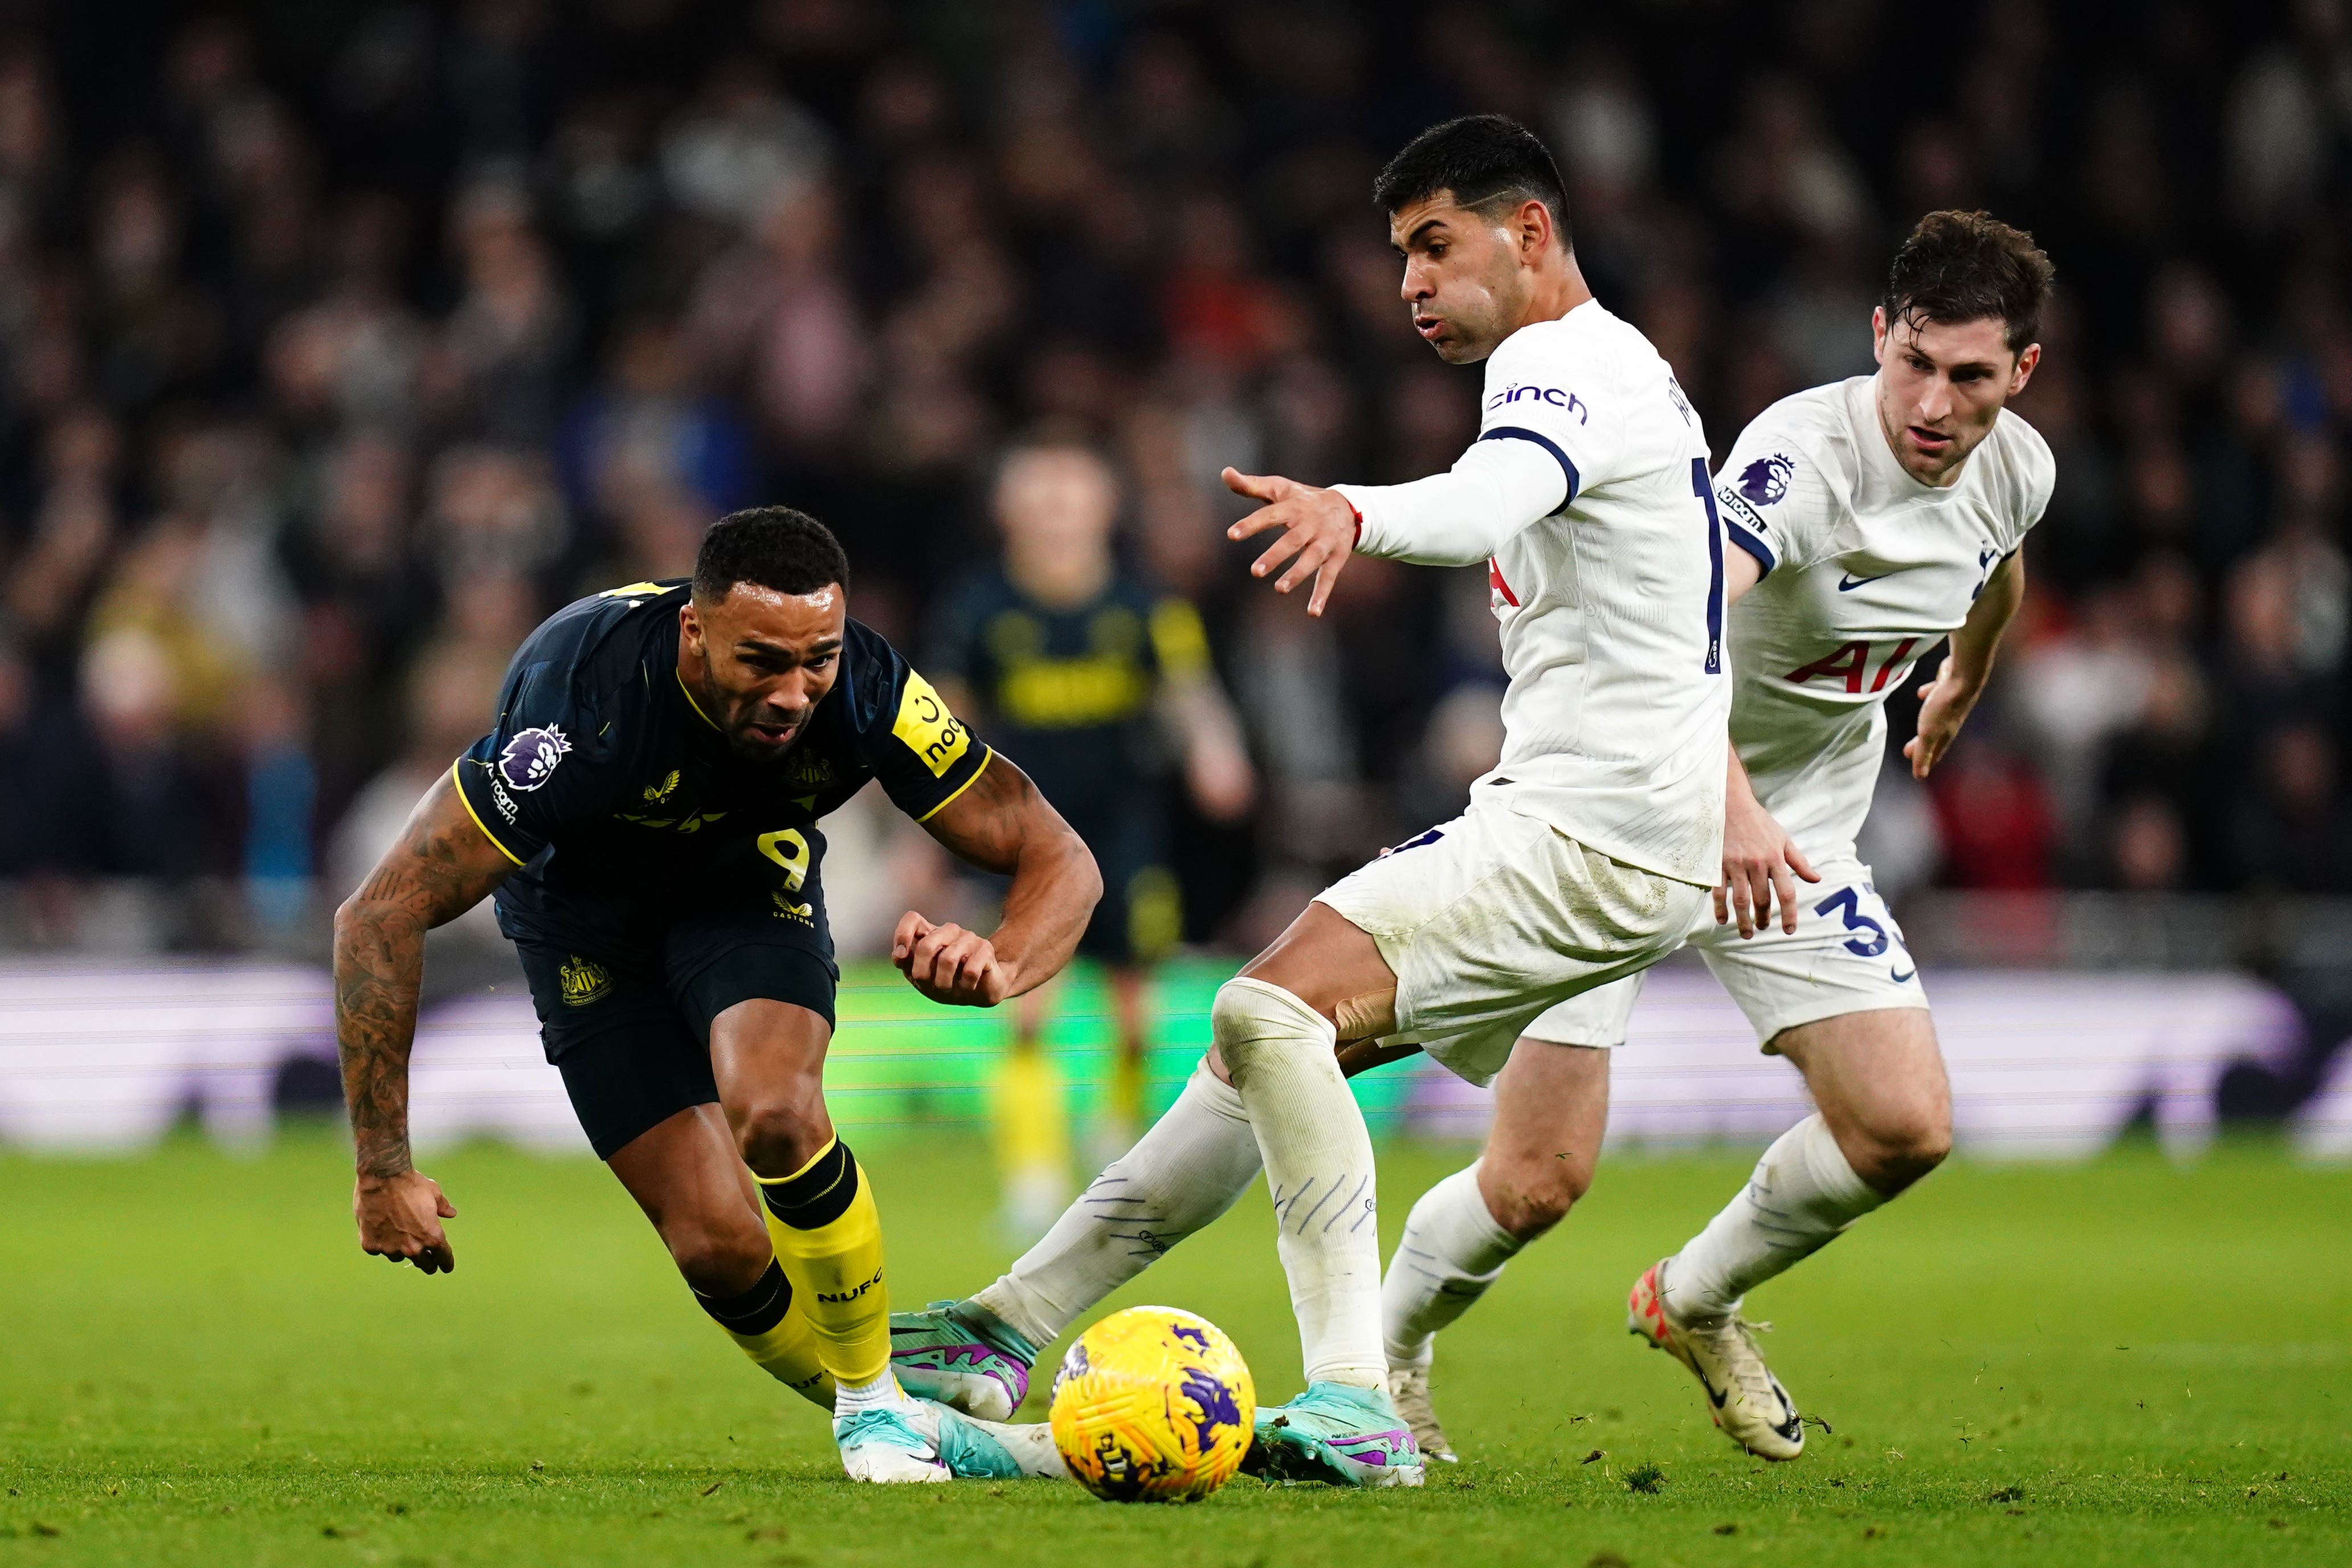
x: 2126, y: 1363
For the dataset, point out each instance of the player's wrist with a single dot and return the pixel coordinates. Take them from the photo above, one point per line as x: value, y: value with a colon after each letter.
x: 375, y: 1172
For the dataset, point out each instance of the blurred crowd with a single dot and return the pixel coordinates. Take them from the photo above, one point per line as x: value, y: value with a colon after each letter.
x: 338, y: 345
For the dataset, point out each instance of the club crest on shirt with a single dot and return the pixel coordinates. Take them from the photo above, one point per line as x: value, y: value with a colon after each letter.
x: 528, y: 760
x: 1766, y: 481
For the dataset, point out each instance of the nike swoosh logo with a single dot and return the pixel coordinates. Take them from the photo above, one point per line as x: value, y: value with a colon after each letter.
x: 1847, y: 582
x: 1900, y: 979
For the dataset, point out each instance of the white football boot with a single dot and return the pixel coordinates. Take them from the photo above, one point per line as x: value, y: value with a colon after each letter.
x: 1745, y: 1400
x: 885, y: 1444
x: 1409, y: 1387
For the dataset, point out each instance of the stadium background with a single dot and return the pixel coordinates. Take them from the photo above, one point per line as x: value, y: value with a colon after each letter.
x: 341, y: 341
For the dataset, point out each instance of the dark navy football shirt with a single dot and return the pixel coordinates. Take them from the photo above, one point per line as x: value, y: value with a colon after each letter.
x: 622, y: 802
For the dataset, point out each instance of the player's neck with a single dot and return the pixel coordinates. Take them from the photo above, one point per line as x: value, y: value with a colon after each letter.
x: 694, y: 681
x: 1059, y: 579
x: 1559, y: 287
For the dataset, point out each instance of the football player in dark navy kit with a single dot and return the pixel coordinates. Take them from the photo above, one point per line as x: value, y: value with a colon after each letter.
x: 646, y: 811
x: 1089, y: 675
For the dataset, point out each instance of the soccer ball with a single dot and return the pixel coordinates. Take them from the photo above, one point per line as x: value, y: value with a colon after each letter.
x: 1153, y: 1404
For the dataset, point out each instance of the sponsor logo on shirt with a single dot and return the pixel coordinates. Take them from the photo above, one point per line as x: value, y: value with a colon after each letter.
x: 788, y: 911
x: 502, y: 799
x: 660, y: 792
x: 1766, y: 481
x: 1551, y: 394
x: 584, y: 981
x: 530, y: 759
x: 926, y: 728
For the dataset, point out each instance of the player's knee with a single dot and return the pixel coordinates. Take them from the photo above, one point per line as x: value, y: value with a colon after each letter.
x: 1900, y: 1148
x: 716, y: 1258
x: 1528, y: 1200
x: 1252, y: 1019
x: 778, y: 1136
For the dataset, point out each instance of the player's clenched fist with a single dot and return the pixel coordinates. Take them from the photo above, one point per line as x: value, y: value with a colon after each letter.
x: 948, y: 963
x: 400, y: 1220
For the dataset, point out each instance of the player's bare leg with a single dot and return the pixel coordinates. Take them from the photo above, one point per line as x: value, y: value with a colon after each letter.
x: 1885, y: 1121
x: 1878, y: 1079
x: 768, y: 1057
x: 685, y: 1173
x: 1551, y: 1106
x: 1277, y: 1026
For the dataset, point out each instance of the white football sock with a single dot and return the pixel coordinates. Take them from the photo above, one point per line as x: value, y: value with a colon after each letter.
x: 1450, y: 1251
x: 1191, y: 1167
x: 1803, y: 1193
x: 1319, y: 1162
x: 881, y: 1394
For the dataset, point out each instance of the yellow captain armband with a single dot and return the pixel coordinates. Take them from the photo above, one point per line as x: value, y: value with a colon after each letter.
x: 1178, y: 639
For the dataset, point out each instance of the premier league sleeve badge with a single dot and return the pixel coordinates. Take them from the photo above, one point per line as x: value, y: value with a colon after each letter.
x: 530, y: 759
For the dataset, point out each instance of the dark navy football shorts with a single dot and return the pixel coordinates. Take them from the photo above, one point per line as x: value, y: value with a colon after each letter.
x: 630, y: 1029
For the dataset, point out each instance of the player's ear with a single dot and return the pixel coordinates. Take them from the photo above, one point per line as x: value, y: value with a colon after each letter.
x: 1535, y: 228
x: 1878, y: 333
x: 2027, y: 358
x: 690, y: 626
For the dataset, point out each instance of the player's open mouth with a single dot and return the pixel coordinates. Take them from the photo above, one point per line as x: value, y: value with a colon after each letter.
x: 1428, y: 326
x: 1934, y: 440
x: 772, y: 734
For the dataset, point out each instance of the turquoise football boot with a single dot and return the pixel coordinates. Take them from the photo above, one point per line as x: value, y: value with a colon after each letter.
x: 964, y: 1356
x: 989, y: 1450
x: 1332, y: 1433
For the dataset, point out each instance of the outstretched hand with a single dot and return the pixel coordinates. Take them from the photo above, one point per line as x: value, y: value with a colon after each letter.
x: 1319, y: 532
x: 948, y: 963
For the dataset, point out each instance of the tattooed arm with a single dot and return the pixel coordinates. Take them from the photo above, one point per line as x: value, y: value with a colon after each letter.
x: 442, y: 866
x: 1001, y: 823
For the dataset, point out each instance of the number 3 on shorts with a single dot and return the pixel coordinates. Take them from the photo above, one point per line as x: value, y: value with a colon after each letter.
x: 1848, y: 900
x: 788, y: 849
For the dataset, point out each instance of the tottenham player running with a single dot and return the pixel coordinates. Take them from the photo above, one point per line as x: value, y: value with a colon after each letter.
x: 646, y: 811
x: 1581, y: 858
x: 1884, y: 512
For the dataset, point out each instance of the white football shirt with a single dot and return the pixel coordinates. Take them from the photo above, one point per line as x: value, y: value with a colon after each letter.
x: 1588, y: 492
x: 1867, y: 570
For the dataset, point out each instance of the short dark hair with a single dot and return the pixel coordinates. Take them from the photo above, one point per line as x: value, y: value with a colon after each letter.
x: 1480, y: 157
x: 774, y: 546
x: 1964, y: 267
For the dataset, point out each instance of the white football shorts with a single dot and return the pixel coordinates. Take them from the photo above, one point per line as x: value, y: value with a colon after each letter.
x: 1493, y: 917
x: 1847, y: 956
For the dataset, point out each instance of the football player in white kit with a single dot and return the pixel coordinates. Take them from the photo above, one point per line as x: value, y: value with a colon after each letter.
x: 1885, y: 513
x: 1583, y: 858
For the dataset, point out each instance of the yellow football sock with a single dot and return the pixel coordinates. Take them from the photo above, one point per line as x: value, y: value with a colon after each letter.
x: 828, y: 1237
x: 1033, y: 1129
x: 767, y: 1322
x: 1126, y: 1105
